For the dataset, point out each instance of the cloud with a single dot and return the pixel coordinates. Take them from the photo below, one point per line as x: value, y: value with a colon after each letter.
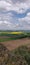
x: 10, y: 11
x: 19, y: 6
x: 4, y: 5
x: 25, y: 22
x: 28, y: 14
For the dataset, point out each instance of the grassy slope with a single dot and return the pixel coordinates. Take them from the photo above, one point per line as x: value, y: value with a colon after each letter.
x: 19, y: 56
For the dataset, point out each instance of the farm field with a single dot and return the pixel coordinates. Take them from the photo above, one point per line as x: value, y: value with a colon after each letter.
x: 14, y: 48
x: 13, y: 40
x: 13, y: 44
x: 5, y: 36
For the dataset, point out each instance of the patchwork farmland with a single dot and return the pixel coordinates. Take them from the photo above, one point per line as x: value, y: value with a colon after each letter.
x: 13, y: 40
x: 14, y: 48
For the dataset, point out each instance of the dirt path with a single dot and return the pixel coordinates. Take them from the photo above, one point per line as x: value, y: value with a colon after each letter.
x: 16, y: 43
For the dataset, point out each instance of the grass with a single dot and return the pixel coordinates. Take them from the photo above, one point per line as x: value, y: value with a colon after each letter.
x: 19, y: 56
x: 7, y: 39
x: 13, y: 35
x: 12, y: 38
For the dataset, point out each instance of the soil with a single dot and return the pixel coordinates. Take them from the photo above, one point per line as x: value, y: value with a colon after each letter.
x: 4, y: 37
x: 13, y: 44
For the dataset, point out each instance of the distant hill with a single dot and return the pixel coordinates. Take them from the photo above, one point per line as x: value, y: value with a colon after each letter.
x: 15, y: 30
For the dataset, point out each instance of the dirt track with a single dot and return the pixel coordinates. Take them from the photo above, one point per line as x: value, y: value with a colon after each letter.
x: 16, y: 43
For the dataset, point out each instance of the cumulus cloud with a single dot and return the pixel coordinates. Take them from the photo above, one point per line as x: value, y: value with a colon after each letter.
x: 19, y: 6
x: 4, y: 6
x: 25, y: 22
x: 8, y: 20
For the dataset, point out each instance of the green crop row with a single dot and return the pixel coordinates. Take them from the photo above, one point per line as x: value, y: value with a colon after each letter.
x: 14, y: 36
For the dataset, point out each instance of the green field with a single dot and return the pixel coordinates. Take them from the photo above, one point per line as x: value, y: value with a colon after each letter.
x: 13, y: 35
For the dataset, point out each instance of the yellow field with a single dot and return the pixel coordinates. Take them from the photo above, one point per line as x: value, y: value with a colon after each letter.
x: 16, y: 32
x: 11, y: 32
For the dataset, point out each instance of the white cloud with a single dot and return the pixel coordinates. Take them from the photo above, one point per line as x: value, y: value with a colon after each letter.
x: 0, y: 22
x: 27, y: 18
x: 25, y: 22
x: 8, y: 21
x: 28, y: 14
x: 4, y: 5
x: 19, y: 7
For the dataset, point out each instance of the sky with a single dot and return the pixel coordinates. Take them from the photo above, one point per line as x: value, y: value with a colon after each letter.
x: 14, y: 14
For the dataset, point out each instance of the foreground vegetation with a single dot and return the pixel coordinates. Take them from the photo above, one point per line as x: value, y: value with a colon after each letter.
x: 19, y: 56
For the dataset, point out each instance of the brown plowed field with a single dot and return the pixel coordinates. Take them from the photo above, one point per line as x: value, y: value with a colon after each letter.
x: 16, y: 43
x: 4, y: 37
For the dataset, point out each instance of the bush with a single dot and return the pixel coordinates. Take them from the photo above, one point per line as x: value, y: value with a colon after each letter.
x: 19, y: 56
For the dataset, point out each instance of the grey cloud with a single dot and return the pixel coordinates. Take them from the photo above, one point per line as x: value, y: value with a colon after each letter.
x: 8, y: 20
x: 20, y: 7
x: 15, y: 1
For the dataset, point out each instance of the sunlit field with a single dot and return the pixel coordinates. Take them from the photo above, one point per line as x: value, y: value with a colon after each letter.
x: 16, y: 33
x: 5, y: 36
x: 11, y: 32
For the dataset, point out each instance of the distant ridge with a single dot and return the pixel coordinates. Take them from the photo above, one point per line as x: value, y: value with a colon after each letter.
x: 15, y: 30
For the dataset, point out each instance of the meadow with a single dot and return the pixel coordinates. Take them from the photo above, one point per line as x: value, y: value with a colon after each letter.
x: 5, y: 36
